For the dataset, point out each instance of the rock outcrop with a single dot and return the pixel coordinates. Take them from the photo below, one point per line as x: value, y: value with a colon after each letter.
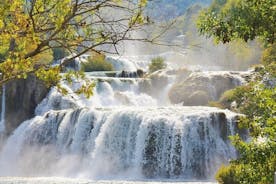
x: 22, y: 97
x: 154, y: 83
x: 131, y: 74
x: 201, y: 87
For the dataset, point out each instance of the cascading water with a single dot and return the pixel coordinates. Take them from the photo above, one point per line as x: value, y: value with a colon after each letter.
x: 3, y: 106
x: 126, y: 130
x: 165, y: 142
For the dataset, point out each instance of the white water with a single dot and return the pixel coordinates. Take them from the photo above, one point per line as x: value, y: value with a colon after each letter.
x: 108, y: 92
x: 132, y: 63
x: 44, y: 180
x: 126, y: 131
x: 2, y: 122
x: 174, y: 142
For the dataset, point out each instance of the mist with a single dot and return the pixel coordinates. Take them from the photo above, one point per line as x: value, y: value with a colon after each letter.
x: 182, y: 46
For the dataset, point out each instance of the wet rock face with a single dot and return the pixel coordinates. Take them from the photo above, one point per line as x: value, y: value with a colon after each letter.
x: 155, y: 82
x: 200, y: 88
x: 197, y: 98
x: 131, y: 74
x: 22, y: 97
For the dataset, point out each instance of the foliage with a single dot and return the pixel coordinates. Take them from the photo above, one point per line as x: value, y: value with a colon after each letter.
x: 242, y: 171
x: 256, y: 164
x: 226, y: 175
x: 97, y: 63
x: 157, y: 63
x: 226, y: 99
x: 227, y: 20
x: 233, y: 95
x: 31, y: 29
x: 257, y: 157
x: 257, y: 161
x: 269, y: 55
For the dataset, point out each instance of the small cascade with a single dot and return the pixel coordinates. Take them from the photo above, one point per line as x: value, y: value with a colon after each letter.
x: 109, y: 91
x: 3, y: 106
x: 129, y: 63
x: 168, y: 142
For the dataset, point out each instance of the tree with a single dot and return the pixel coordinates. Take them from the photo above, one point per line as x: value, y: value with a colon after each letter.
x: 96, y: 62
x: 227, y: 20
x: 30, y: 29
x: 157, y: 63
x: 257, y: 158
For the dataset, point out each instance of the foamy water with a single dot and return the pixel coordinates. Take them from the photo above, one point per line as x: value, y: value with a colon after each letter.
x: 43, y: 180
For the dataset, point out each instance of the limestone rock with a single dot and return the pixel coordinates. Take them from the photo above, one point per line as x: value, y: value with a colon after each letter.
x: 201, y: 87
x: 22, y: 97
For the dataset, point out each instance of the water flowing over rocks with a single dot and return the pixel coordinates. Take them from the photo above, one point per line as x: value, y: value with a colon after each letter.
x: 128, y: 129
x: 174, y: 142
x: 129, y: 63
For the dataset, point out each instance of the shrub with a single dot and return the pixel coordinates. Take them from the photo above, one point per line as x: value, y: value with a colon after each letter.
x: 256, y: 164
x: 257, y: 161
x: 216, y: 104
x: 226, y: 175
x: 97, y: 63
x: 157, y: 63
x: 228, y: 97
x: 269, y: 55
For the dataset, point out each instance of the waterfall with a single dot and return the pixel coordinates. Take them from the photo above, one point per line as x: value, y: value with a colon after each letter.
x: 165, y: 142
x: 128, y: 129
x: 3, y: 106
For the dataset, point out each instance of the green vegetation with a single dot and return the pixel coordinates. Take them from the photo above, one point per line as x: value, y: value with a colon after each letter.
x: 157, y: 63
x: 226, y: 175
x: 236, y: 55
x: 227, y: 20
x: 31, y: 30
x: 257, y: 158
x: 97, y: 63
x: 247, y: 20
x: 225, y: 100
x: 269, y: 55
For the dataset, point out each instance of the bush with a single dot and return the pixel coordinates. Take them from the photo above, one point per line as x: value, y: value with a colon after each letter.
x: 157, y: 63
x: 228, y: 97
x: 256, y: 164
x: 216, y: 104
x: 97, y: 63
x: 269, y: 55
x: 226, y: 175
x: 257, y: 160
